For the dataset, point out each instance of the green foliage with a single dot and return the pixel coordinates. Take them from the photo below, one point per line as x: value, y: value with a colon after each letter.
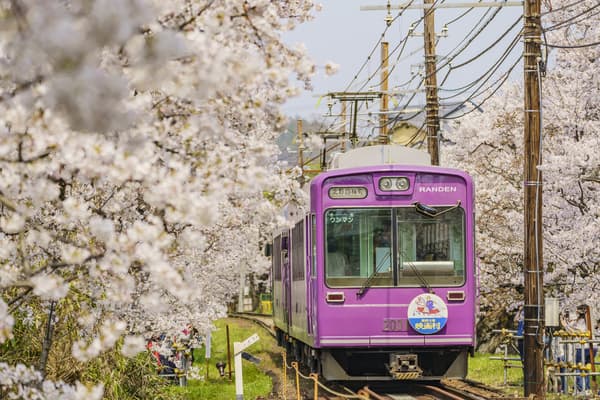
x: 123, y: 378
x: 127, y: 378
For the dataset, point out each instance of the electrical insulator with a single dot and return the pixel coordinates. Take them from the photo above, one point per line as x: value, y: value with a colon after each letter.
x: 388, y: 19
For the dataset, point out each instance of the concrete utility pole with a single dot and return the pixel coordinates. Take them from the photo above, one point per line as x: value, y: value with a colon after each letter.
x: 533, y: 249
x: 383, y: 119
x: 432, y: 104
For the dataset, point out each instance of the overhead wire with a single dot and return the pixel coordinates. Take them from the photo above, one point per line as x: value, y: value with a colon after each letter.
x: 365, y: 63
x: 381, y: 37
x: 477, y: 92
x: 473, y: 29
x: 490, y: 46
x: 461, y: 15
x: 449, y: 23
x: 403, y: 41
x: 478, y: 29
x: 451, y: 67
x: 401, y: 45
x: 493, y: 68
x: 465, y: 46
x: 575, y: 46
x: 566, y: 6
x: 450, y: 58
x: 572, y: 19
x: 478, y: 106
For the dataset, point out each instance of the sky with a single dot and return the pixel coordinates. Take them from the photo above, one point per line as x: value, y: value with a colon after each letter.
x: 344, y: 34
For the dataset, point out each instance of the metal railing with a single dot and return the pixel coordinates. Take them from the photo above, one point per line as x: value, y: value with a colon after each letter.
x: 565, y: 368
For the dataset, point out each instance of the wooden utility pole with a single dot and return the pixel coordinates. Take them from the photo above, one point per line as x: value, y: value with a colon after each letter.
x: 383, y: 119
x: 431, y: 91
x: 300, y: 140
x: 300, y: 143
x: 343, y: 128
x: 532, y: 176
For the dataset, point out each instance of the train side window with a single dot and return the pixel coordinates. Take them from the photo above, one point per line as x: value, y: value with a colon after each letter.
x: 297, y: 252
x: 276, y: 260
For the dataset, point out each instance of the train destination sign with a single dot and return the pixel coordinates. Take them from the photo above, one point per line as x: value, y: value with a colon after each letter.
x: 427, y: 314
x: 347, y: 192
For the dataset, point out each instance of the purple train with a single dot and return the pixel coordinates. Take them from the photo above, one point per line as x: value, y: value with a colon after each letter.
x: 377, y: 280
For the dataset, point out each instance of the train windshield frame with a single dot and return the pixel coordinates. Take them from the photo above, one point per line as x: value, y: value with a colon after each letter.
x: 395, y: 247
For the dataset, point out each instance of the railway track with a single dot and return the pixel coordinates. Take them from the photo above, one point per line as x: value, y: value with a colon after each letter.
x: 264, y: 320
x: 447, y: 389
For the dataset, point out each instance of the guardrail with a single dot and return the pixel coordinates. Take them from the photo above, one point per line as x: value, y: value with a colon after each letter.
x: 564, y: 370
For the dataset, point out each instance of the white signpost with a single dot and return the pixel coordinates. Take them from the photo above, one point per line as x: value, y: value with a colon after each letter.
x: 238, y: 347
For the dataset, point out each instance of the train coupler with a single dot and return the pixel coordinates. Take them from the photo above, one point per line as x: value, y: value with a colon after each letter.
x: 404, y: 366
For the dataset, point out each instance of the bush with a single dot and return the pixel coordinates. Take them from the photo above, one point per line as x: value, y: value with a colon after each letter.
x: 123, y: 378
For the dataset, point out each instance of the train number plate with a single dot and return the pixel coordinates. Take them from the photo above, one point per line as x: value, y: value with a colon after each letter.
x: 394, y: 325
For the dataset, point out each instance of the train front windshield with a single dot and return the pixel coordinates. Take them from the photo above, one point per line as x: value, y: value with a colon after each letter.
x: 388, y: 247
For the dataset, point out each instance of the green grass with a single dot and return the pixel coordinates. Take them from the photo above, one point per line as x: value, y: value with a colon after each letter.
x: 256, y: 382
x: 491, y: 372
x: 484, y: 369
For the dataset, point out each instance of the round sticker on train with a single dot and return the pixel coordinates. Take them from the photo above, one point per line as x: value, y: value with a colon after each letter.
x: 427, y: 314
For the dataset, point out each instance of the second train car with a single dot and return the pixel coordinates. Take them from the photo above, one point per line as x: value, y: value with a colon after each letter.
x: 376, y: 281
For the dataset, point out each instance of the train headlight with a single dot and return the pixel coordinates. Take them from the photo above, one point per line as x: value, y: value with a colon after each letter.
x: 394, y: 184
x: 385, y: 184
x: 402, y: 184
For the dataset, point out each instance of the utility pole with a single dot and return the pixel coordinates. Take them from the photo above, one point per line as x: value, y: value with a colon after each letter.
x: 532, y: 177
x: 343, y: 128
x: 300, y: 140
x: 432, y: 103
x: 383, y: 120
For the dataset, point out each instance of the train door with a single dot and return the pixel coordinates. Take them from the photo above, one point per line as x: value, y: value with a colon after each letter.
x: 311, y: 272
x: 286, y: 280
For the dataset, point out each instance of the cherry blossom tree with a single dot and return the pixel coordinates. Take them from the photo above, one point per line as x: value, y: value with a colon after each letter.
x: 490, y: 146
x: 136, y: 148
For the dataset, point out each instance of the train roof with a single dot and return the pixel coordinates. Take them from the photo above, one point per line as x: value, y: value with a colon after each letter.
x: 379, y: 155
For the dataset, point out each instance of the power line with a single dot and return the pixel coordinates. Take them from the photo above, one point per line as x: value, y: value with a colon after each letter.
x: 579, y: 46
x: 489, y: 47
x: 449, y: 58
x: 563, y: 7
x: 477, y: 29
x: 493, y: 68
x: 387, y: 27
x: 402, y: 43
x: 558, y: 25
x: 477, y: 106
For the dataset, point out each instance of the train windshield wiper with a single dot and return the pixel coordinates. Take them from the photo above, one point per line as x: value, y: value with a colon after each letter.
x: 432, y: 212
x: 369, y: 280
x: 419, y: 275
